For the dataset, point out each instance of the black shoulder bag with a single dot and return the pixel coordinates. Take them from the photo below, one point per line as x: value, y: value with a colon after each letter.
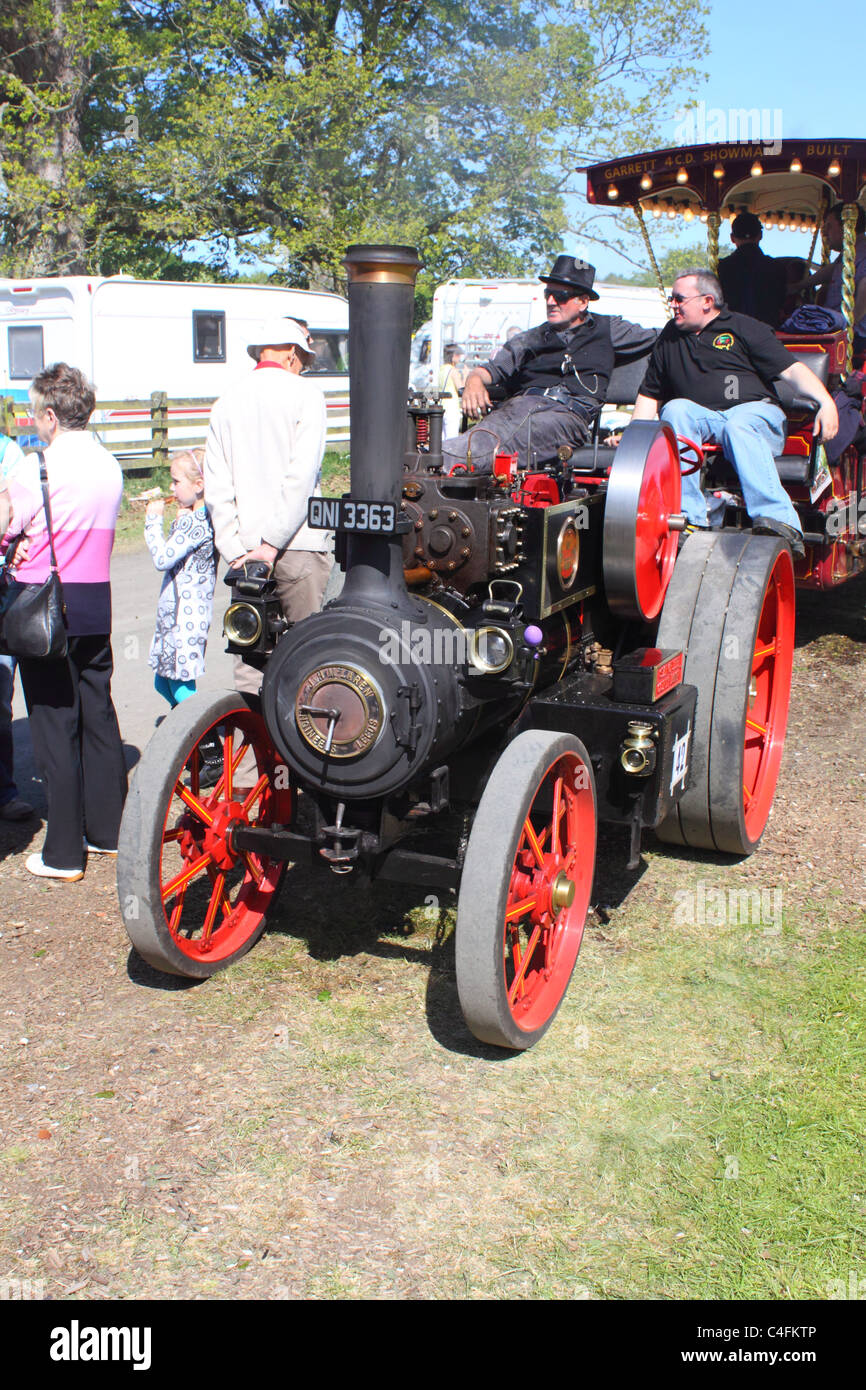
x: 33, y: 616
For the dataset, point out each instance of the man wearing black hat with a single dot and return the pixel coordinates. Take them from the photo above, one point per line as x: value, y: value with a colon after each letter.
x: 752, y: 283
x: 555, y: 376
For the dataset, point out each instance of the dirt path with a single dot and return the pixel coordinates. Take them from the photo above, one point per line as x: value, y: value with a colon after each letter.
x: 318, y: 1122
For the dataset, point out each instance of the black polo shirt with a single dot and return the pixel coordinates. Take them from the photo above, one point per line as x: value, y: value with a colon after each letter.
x: 753, y: 283
x: 732, y: 360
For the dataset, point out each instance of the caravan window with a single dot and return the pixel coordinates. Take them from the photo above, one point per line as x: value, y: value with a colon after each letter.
x: 26, y: 356
x: 332, y: 353
x: 208, y: 336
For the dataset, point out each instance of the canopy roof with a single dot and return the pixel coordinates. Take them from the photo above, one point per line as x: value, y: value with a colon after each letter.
x: 792, y: 187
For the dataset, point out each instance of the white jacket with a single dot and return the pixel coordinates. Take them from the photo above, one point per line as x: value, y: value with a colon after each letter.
x: 263, y: 461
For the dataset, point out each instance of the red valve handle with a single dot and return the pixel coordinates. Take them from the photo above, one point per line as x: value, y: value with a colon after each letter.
x: 696, y: 449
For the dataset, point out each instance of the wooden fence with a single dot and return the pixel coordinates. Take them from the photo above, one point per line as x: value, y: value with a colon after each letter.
x: 142, y: 434
x: 138, y: 434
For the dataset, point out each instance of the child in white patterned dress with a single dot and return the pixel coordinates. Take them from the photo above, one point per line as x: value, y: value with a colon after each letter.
x: 188, y: 559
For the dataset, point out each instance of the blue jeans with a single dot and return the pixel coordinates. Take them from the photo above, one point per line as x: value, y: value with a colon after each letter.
x: 752, y: 436
x: 8, y: 789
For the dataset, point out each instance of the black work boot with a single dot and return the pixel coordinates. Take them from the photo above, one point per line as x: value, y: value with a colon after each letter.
x: 766, y: 526
x: 210, y: 751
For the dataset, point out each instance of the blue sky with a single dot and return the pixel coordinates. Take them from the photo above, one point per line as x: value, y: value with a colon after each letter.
x: 805, y: 60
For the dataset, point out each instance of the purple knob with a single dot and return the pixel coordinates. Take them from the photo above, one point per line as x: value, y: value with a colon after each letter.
x: 533, y: 636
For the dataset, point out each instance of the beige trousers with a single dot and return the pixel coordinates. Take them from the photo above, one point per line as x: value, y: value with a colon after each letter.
x: 301, y: 577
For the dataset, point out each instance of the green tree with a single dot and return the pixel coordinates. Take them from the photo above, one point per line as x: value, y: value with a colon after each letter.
x: 671, y: 264
x: 194, y: 135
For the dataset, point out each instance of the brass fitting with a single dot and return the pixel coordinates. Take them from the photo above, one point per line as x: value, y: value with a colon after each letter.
x: 638, y: 756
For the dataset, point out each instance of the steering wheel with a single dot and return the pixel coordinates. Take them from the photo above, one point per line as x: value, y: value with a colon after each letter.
x: 690, y: 446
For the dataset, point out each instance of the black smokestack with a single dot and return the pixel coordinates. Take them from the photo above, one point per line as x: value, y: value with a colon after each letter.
x: 381, y: 303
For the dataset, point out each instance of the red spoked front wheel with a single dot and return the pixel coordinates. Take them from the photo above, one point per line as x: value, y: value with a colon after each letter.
x: 525, y: 889
x: 191, y: 901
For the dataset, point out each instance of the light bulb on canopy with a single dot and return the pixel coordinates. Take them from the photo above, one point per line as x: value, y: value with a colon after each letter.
x: 682, y: 176
x: 757, y: 169
x: 719, y: 171
x: 834, y: 169
x: 795, y: 166
x: 613, y: 191
x: 646, y: 182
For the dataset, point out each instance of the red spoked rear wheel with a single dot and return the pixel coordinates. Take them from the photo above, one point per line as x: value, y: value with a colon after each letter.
x: 525, y: 889
x: 769, y: 696
x: 191, y: 900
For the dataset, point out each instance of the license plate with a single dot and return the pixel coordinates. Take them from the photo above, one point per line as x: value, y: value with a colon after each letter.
x: 346, y: 514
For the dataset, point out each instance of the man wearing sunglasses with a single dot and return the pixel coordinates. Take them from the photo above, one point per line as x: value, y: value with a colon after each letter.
x: 554, y: 377
x: 710, y: 376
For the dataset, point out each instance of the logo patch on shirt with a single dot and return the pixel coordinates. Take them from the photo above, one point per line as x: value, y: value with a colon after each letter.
x: 723, y: 341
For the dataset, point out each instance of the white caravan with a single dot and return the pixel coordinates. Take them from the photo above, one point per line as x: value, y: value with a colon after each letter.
x: 480, y: 315
x: 134, y: 337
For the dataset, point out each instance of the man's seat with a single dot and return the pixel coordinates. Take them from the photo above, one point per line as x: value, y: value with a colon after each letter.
x: 625, y: 382
x: 814, y: 357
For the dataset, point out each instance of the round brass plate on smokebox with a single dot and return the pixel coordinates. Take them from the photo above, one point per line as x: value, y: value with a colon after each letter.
x: 351, y: 692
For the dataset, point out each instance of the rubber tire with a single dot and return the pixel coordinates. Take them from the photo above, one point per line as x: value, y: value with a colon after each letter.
x: 486, y: 879
x: 712, y: 611
x: 140, y: 842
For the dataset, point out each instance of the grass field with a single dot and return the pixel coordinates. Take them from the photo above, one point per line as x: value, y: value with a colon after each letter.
x: 317, y: 1122
x: 692, y: 1127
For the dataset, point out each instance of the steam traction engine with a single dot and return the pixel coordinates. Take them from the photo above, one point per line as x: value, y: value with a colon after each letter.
x: 514, y: 657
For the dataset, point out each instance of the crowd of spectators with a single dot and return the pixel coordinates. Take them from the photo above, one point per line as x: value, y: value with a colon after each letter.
x: 243, y: 497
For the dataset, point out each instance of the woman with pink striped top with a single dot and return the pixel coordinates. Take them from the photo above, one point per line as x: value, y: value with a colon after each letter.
x: 73, y: 725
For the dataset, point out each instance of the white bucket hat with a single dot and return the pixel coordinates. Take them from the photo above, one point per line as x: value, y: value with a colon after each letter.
x: 279, y: 332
